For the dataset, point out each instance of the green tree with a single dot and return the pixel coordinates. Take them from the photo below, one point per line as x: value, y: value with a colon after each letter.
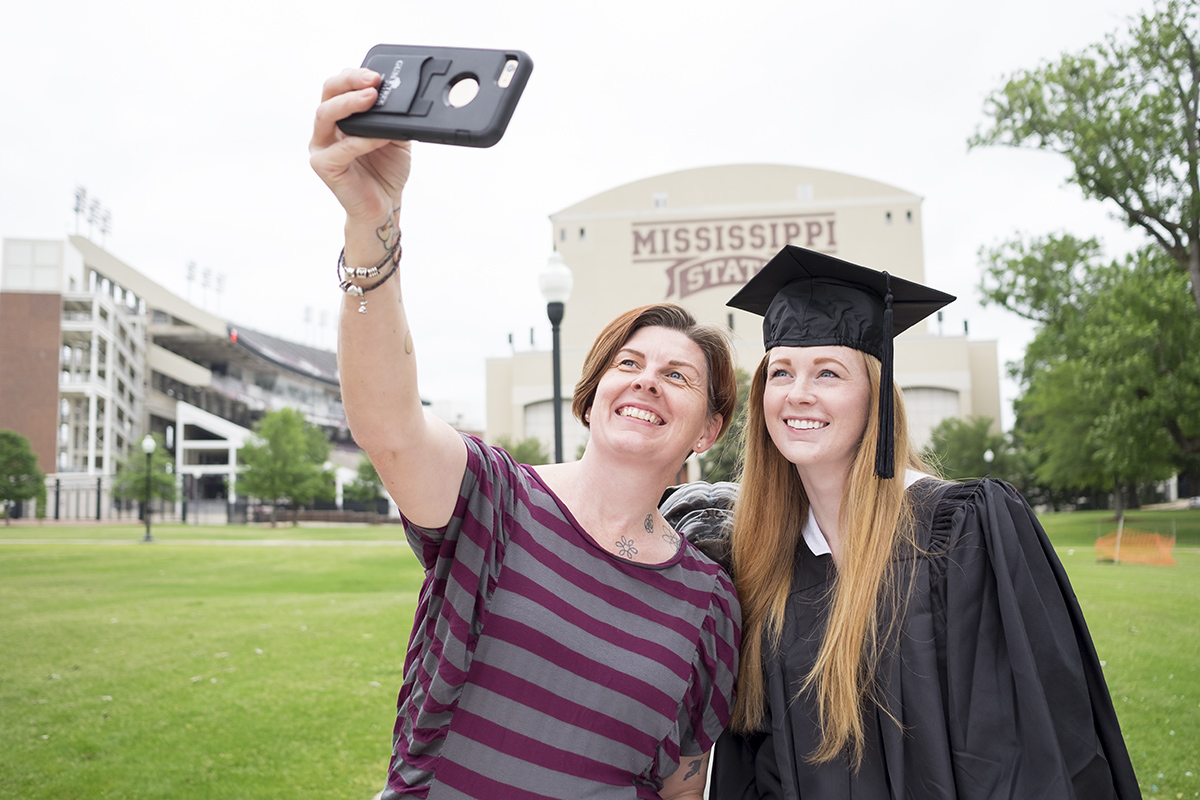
x: 1126, y: 113
x: 19, y: 473
x: 529, y: 450
x: 1111, y: 381
x: 286, y: 461
x: 1142, y: 356
x: 130, y: 481
x: 723, y: 461
x: 367, y: 487
x: 960, y: 448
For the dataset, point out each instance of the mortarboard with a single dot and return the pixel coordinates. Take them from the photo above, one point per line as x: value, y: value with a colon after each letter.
x: 809, y: 299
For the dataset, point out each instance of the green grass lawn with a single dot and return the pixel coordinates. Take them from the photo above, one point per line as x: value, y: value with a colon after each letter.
x: 133, y: 532
x: 1081, y: 528
x: 1144, y: 623
x: 170, y: 670
x: 254, y: 672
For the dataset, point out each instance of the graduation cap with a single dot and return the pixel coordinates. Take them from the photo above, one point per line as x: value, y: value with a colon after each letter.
x: 809, y: 299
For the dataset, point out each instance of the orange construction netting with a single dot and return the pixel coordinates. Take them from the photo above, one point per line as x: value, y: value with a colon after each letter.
x: 1137, y: 547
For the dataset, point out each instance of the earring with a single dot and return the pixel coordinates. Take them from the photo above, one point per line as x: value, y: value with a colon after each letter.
x: 587, y: 416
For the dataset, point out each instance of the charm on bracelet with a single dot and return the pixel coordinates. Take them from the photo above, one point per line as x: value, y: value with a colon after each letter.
x: 351, y: 288
x: 358, y: 291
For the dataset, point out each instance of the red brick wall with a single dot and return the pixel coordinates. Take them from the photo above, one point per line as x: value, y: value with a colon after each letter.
x: 29, y: 344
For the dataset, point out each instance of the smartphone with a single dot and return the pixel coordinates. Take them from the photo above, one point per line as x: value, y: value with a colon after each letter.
x: 449, y: 95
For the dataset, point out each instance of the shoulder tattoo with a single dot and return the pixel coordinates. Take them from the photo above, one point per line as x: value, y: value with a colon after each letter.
x: 671, y: 537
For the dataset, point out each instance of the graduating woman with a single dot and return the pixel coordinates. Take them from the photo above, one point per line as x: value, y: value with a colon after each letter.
x: 904, y: 637
x: 567, y: 641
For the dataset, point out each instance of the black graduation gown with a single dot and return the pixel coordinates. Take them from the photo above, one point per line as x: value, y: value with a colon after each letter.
x: 994, y: 677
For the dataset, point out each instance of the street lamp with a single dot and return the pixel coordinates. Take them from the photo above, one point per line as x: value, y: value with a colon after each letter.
x: 988, y: 456
x: 556, y: 282
x: 148, y: 446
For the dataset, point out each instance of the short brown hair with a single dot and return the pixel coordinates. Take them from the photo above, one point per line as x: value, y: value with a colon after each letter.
x: 712, y: 341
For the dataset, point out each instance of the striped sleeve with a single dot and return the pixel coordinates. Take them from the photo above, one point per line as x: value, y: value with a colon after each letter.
x: 706, y: 709
x: 714, y: 671
x: 462, y: 563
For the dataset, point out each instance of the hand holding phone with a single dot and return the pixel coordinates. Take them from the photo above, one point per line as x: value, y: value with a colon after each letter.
x: 460, y: 96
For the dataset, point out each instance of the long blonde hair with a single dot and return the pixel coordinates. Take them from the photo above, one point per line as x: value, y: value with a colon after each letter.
x: 877, y: 522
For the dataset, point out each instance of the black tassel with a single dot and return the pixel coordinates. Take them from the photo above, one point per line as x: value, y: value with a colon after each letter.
x: 885, y: 447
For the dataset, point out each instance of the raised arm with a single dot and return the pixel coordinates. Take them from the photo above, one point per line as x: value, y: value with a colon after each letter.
x: 419, y: 458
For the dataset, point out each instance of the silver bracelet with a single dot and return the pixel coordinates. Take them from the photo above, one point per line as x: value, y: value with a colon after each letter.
x: 349, y: 287
x: 346, y: 273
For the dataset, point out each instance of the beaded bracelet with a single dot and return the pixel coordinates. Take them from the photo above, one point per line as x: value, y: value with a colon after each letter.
x: 365, y: 272
x: 361, y: 291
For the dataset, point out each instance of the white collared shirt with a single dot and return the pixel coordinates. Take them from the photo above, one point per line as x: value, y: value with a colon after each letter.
x: 812, y: 532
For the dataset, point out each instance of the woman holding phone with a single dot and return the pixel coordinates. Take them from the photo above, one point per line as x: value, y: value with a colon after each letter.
x: 567, y: 641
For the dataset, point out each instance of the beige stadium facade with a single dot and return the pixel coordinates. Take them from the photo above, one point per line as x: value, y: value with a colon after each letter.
x: 693, y: 238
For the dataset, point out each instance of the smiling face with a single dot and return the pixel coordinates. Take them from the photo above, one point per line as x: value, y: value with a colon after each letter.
x: 653, y: 398
x: 816, y: 403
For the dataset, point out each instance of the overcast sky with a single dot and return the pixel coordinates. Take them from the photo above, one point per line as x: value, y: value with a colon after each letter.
x: 190, y: 123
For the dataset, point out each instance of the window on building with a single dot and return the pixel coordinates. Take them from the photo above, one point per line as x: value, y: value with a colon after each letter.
x: 195, y: 433
x: 539, y: 423
x: 927, y: 406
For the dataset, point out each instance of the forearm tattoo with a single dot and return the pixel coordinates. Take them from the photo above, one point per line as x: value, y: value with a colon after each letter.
x: 693, y: 768
x: 387, y: 232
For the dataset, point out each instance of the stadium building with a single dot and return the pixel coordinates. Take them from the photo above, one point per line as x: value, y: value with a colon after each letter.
x: 94, y: 354
x: 693, y: 238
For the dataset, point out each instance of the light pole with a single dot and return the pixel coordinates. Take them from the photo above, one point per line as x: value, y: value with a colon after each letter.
x: 556, y: 282
x: 148, y: 446
x: 988, y: 456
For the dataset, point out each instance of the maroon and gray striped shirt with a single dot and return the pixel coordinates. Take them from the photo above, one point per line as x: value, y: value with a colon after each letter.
x: 543, y: 666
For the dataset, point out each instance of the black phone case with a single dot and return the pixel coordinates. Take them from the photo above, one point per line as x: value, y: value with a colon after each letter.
x: 414, y: 94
